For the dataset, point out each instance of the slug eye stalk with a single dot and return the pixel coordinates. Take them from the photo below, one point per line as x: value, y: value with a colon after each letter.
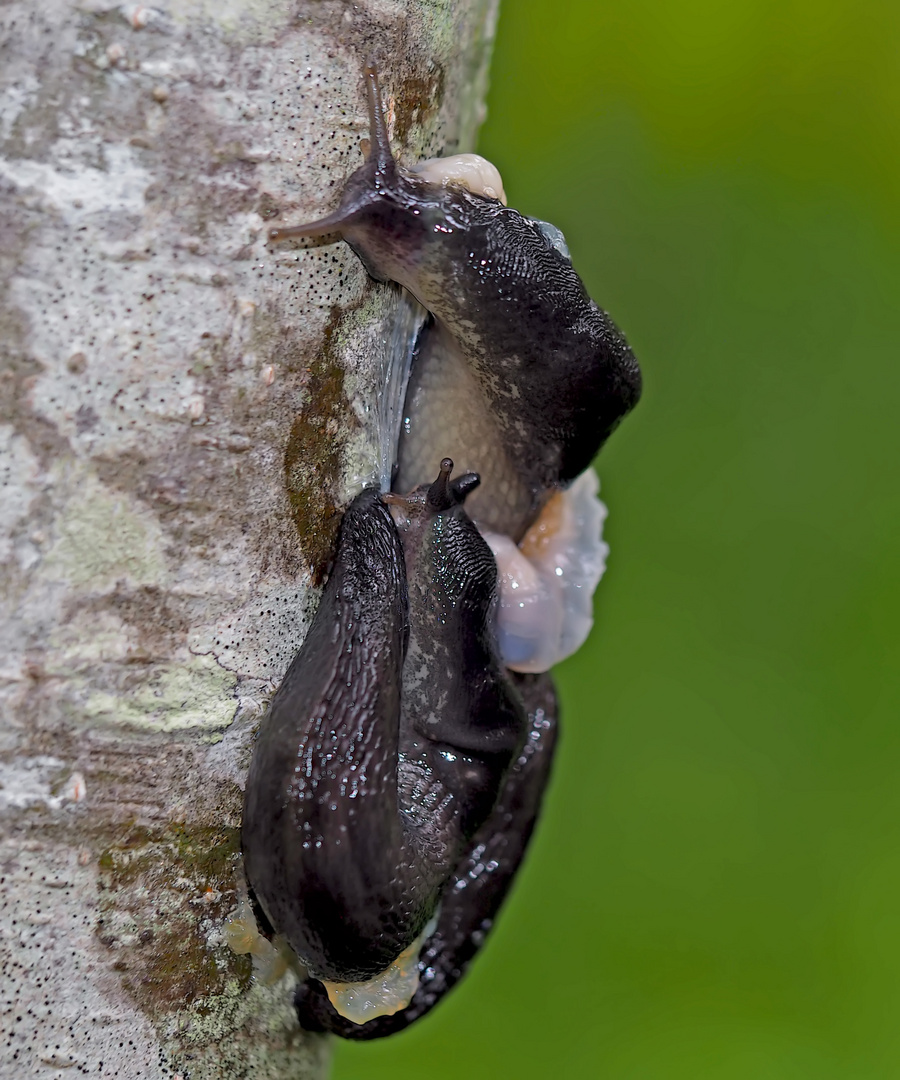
x: 369, y: 183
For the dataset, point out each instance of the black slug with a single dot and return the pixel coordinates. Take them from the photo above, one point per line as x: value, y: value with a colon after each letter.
x: 387, y: 745
x: 521, y: 377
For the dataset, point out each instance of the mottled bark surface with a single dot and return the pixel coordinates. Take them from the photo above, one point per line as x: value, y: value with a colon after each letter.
x: 185, y: 412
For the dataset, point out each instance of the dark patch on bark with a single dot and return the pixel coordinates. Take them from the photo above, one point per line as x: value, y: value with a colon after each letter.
x: 191, y: 867
x: 162, y: 953
x: 313, y: 459
x: 267, y: 206
x: 161, y: 620
x: 418, y: 100
x: 17, y: 378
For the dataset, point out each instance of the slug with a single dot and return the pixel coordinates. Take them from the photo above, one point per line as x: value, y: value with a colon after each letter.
x: 521, y: 377
x: 398, y: 776
x: 387, y: 745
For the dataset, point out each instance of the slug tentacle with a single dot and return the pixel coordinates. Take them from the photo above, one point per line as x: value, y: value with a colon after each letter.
x: 368, y: 185
x: 380, y: 156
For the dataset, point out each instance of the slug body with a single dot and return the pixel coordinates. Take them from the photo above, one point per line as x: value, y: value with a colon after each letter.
x: 389, y: 741
x: 323, y: 777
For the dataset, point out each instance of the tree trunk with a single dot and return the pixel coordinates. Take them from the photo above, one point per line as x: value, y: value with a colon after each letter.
x: 185, y: 412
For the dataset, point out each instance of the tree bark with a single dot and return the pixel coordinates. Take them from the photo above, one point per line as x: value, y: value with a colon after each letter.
x: 185, y: 412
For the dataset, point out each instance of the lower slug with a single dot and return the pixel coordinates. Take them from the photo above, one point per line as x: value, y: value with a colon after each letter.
x: 398, y: 775
x: 388, y: 743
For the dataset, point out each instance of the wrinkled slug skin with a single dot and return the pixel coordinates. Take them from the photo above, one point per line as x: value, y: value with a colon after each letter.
x: 321, y: 831
x: 554, y: 373
x: 388, y: 743
x: 478, y: 886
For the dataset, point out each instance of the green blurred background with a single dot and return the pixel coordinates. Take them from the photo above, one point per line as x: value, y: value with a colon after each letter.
x: 714, y: 891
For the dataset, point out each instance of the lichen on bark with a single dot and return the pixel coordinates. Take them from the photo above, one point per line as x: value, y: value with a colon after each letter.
x: 184, y: 412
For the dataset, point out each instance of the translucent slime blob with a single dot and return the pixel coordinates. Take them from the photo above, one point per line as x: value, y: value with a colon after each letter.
x: 547, y: 583
x: 242, y: 936
x: 384, y: 994
x: 469, y: 171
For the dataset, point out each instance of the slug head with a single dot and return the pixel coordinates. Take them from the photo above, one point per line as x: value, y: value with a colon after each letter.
x: 429, y: 506
x: 388, y: 214
x: 376, y: 177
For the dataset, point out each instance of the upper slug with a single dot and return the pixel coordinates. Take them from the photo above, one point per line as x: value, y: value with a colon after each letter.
x: 522, y: 377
